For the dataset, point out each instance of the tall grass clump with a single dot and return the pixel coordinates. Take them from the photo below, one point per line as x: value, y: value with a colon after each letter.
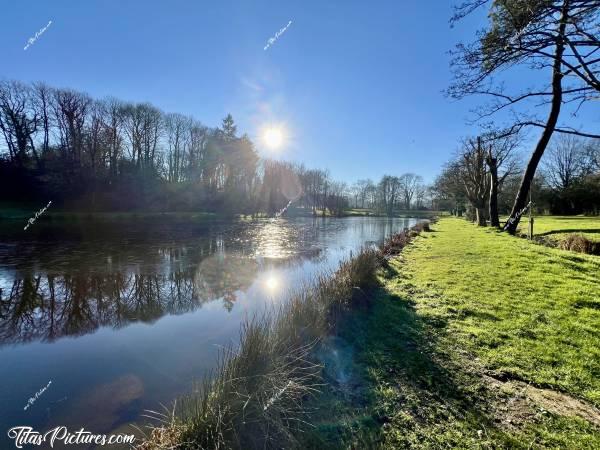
x: 579, y: 243
x: 255, y: 396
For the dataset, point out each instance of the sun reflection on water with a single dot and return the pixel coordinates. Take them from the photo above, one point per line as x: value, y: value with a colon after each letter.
x: 272, y: 283
x: 274, y: 239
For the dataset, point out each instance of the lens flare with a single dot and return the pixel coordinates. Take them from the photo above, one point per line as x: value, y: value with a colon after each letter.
x: 273, y: 137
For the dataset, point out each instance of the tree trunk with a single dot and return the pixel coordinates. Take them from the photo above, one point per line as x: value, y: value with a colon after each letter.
x: 521, y: 199
x: 493, y: 203
x: 480, y: 216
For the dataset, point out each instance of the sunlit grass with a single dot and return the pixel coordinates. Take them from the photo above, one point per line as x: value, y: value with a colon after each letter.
x: 524, y: 309
x: 467, y: 319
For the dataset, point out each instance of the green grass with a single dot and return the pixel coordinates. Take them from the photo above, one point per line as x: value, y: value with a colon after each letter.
x: 471, y: 329
x: 557, y: 227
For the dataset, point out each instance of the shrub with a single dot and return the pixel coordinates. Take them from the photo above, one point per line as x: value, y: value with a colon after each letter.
x: 422, y: 226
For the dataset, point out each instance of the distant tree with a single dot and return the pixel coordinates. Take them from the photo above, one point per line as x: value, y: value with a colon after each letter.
x: 475, y: 177
x: 71, y: 109
x: 389, y: 189
x: 421, y: 193
x: 113, y: 129
x: 360, y: 191
x: 178, y: 133
x: 228, y: 127
x: 449, y: 190
x: 566, y: 162
x: 592, y: 152
x: 409, y: 183
x: 42, y: 98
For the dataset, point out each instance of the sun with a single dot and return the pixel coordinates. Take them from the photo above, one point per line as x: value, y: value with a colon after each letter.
x: 273, y: 137
x: 272, y: 283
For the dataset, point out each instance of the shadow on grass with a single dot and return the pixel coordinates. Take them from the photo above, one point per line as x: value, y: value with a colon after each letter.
x: 570, y: 230
x: 408, y: 392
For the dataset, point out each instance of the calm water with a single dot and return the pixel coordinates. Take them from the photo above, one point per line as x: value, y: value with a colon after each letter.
x: 122, y: 318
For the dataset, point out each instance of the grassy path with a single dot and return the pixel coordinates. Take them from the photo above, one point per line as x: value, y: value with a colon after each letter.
x: 476, y: 340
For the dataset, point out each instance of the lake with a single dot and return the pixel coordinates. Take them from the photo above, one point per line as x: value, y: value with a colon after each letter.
x: 116, y: 318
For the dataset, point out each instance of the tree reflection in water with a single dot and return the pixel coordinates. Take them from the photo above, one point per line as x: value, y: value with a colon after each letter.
x: 79, y: 297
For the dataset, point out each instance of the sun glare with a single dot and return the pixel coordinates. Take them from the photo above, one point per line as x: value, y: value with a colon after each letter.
x: 273, y: 137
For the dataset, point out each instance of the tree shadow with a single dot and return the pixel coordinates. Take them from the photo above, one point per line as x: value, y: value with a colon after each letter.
x: 570, y: 230
x: 410, y: 388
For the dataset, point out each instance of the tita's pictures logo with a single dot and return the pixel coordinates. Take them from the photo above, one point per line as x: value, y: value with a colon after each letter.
x: 23, y: 435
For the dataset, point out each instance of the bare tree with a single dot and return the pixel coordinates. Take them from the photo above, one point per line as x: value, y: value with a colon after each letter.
x: 449, y: 191
x: 408, y: 185
x: 421, y: 192
x: 559, y: 35
x: 178, y: 134
x: 43, y: 96
x: 475, y: 177
x: 389, y: 190
x: 70, y: 110
x: 502, y: 163
x: 359, y: 190
x: 592, y: 152
x: 18, y: 120
x: 113, y: 129
x: 566, y: 162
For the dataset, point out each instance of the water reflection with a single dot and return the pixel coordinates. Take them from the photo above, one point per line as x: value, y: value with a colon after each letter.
x: 46, y: 307
x: 55, y: 293
x: 148, y: 308
x: 222, y: 277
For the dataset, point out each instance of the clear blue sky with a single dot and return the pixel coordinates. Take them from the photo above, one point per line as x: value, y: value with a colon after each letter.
x: 358, y: 84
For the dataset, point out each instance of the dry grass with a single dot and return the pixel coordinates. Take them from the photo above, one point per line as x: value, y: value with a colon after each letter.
x: 396, y: 243
x: 580, y: 243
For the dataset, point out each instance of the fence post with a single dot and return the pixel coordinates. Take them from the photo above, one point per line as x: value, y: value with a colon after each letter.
x: 531, y: 228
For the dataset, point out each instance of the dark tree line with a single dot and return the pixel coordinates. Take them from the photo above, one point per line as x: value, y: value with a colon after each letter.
x: 95, y: 155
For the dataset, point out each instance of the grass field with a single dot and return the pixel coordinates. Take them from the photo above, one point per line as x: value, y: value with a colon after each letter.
x: 477, y: 339
x: 557, y: 227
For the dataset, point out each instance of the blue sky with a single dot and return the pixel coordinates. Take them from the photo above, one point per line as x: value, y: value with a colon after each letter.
x: 357, y: 84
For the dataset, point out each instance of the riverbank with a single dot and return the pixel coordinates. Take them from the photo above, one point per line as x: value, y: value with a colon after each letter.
x: 17, y: 212
x: 255, y: 397
x: 475, y: 339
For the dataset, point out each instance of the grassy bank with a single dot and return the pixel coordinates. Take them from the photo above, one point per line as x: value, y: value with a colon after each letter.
x: 476, y: 339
